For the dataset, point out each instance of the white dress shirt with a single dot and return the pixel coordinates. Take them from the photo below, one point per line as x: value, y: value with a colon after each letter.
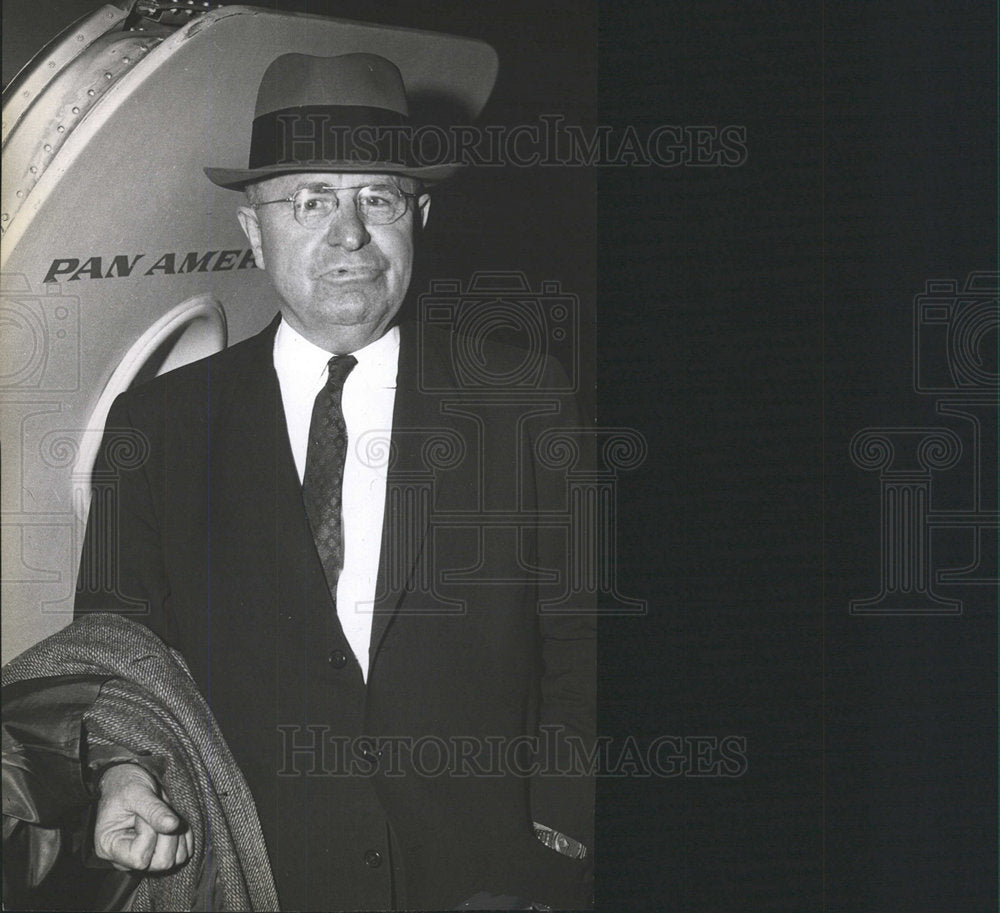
x: 369, y: 394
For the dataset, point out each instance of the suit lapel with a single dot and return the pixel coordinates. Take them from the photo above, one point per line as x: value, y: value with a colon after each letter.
x: 244, y: 452
x: 257, y: 502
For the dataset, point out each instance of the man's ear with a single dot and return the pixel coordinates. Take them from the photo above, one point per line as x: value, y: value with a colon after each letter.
x: 424, y: 205
x: 247, y: 217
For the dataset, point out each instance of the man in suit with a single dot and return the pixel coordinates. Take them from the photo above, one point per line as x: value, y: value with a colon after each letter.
x: 345, y: 538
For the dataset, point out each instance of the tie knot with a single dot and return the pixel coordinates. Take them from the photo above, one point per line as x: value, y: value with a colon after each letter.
x: 338, y: 368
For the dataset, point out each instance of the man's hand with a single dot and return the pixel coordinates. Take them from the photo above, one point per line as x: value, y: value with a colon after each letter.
x: 135, y: 828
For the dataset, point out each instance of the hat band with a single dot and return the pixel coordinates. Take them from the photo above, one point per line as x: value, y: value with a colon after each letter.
x: 323, y: 134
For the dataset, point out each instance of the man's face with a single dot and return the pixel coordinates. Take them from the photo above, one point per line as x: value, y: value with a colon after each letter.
x: 342, y: 283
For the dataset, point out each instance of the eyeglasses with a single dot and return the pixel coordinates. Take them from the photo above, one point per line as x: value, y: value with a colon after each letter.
x: 375, y: 204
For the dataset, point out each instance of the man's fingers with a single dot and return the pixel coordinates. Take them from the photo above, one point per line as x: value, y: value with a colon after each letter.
x: 135, y: 828
x: 158, y: 814
x: 164, y: 853
x: 183, y: 852
x: 143, y: 849
x: 133, y: 847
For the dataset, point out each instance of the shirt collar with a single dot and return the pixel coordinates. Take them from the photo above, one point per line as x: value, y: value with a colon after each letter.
x: 296, y: 356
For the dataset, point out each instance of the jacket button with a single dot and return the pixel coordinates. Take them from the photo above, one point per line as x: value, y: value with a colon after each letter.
x: 373, y: 859
x: 338, y: 659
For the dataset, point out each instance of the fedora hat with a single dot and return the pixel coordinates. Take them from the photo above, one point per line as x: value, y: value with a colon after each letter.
x: 348, y: 113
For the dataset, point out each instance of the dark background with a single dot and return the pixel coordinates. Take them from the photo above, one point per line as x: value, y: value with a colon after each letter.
x: 749, y: 321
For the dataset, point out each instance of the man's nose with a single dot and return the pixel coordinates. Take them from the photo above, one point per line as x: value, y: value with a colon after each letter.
x: 346, y: 228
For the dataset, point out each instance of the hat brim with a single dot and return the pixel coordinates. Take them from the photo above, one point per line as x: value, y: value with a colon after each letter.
x: 238, y: 178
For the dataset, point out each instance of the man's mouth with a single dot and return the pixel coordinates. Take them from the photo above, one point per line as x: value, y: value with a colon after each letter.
x: 350, y: 274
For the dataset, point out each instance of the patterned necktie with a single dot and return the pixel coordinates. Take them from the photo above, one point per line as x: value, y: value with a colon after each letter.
x: 323, y: 481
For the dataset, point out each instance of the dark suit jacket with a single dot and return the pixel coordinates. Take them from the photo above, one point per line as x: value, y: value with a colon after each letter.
x: 197, y: 528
